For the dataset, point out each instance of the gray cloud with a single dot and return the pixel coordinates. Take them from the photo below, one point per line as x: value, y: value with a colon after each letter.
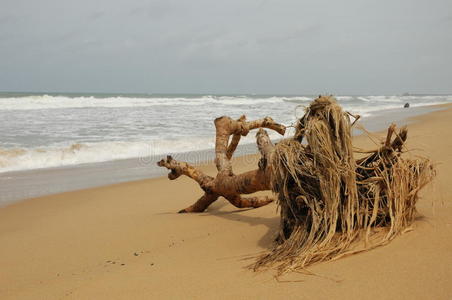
x: 237, y: 46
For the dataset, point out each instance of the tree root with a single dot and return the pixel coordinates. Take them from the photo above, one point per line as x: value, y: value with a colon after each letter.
x: 226, y: 184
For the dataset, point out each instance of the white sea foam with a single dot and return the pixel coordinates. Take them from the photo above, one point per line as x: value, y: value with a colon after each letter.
x: 46, y: 157
x: 44, y: 131
x: 61, y: 102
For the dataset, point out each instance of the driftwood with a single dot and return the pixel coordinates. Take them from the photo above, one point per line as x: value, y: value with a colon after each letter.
x: 226, y: 183
x: 331, y: 203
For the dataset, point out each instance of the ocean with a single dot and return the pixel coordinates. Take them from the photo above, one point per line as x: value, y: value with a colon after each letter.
x: 54, y: 130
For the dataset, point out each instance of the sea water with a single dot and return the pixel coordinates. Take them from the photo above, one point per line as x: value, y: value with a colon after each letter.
x: 55, y: 130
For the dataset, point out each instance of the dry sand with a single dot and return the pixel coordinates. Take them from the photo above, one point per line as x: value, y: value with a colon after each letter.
x: 125, y: 241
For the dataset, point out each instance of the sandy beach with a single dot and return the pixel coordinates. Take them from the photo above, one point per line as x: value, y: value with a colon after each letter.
x: 126, y: 241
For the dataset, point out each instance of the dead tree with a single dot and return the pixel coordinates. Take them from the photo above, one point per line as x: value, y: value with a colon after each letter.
x: 226, y: 183
x: 331, y: 204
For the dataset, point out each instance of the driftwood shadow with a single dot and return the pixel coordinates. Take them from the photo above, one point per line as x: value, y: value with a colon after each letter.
x: 271, y: 223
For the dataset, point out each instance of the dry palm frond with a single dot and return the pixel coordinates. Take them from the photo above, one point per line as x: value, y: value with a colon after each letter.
x: 332, y: 205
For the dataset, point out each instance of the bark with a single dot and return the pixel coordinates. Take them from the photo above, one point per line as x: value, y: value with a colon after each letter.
x: 226, y: 184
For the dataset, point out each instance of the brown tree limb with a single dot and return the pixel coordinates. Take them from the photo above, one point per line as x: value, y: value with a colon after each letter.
x: 235, y: 140
x: 183, y: 168
x: 225, y: 127
x: 265, y: 147
x: 201, y: 204
x: 390, y: 146
x: 226, y: 184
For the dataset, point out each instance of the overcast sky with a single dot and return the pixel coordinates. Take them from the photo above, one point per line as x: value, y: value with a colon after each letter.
x: 195, y: 46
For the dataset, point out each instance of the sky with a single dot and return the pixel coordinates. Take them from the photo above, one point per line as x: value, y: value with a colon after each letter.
x: 227, y: 47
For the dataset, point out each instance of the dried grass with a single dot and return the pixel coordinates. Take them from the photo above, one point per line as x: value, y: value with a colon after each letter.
x: 332, y: 205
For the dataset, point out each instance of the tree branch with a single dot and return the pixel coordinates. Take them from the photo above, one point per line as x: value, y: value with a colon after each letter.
x: 226, y: 184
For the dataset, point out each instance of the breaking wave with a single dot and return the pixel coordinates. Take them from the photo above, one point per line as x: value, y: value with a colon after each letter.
x: 42, y: 131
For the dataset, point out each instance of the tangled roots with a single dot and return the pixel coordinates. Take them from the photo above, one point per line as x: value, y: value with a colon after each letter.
x: 332, y: 205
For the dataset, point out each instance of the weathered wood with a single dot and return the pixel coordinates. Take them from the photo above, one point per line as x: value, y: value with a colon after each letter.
x: 330, y: 203
x: 226, y: 184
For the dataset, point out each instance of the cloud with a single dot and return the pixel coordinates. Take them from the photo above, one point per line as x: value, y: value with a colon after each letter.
x: 95, y: 15
x: 358, y: 46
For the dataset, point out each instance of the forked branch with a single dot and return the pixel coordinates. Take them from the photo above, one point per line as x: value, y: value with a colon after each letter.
x: 226, y: 184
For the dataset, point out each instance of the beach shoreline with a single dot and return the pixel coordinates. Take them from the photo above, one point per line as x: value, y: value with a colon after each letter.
x: 22, y: 185
x: 126, y: 241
